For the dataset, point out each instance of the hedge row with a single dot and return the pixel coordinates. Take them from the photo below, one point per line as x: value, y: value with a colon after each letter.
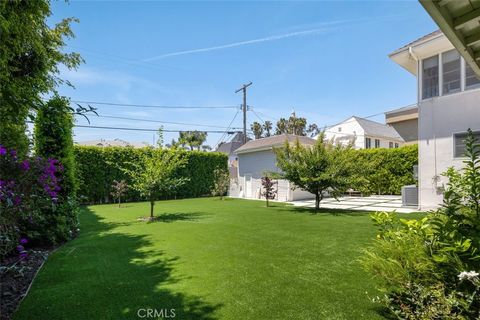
x: 384, y: 171
x: 98, y: 167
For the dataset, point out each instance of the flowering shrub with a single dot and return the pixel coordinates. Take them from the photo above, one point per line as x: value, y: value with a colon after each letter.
x: 27, y: 187
x: 429, y: 267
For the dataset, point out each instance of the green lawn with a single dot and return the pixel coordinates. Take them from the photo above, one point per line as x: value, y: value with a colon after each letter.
x: 208, y: 259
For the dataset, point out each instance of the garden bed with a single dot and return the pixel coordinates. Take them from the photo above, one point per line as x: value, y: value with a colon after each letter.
x: 17, y: 274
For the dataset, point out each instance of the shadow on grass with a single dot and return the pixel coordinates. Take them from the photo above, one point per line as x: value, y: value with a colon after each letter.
x: 327, y: 211
x: 177, y: 216
x: 110, y: 275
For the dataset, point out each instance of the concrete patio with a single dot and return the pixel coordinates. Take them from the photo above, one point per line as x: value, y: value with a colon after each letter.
x: 372, y: 203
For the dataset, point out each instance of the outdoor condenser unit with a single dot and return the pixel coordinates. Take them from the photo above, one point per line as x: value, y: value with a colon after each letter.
x: 410, y: 196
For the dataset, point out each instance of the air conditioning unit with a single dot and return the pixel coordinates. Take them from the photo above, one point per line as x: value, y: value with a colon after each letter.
x: 410, y: 196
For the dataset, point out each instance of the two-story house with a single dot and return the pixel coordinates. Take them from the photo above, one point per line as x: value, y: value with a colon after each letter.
x: 364, y: 134
x: 448, y: 104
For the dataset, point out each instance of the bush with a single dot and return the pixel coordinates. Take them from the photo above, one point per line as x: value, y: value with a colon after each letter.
x: 53, y: 140
x: 28, y: 187
x: 98, y: 167
x: 383, y: 171
x: 428, y: 268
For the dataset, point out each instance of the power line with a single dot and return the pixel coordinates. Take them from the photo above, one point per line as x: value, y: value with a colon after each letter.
x: 169, y: 122
x: 149, y: 106
x: 256, y: 115
x: 142, y: 129
x: 226, y: 131
x: 244, y: 109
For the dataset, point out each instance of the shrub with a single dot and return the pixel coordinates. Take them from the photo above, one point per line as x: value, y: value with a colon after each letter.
x: 119, y: 188
x: 428, y: 267
x: 221, y: 182
x: 268, y: 188
x: 383, y: 171
x: 53, y: 139
x: 98, y: 167
x: 27, y: 187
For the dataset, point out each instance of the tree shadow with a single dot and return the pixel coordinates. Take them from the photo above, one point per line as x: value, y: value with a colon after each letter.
x: 105, y: 274
x: 177, y: 216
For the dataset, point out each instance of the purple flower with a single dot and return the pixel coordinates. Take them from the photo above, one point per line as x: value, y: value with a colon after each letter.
x: 25, y: 165
x: 20, y: 248
x: 23, y: 240
x: 23, y: 254
x: 3, y: 150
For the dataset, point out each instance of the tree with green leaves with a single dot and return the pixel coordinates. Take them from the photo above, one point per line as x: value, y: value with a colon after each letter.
x: 257, y: 129
x: 267, y: 128
x: 193, y: 139
x: 282, y: 126
x: 156, y: 175
x: 30, y: 54
x: 221, y: 183
x: 319, y: 169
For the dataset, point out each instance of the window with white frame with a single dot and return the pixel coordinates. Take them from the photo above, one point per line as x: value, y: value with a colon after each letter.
x: 368, y: 143
x: 451, y: 71
x: 430, y: 77
x: 396, y: 145
x: 459, y: 143
x: 471, y: 79
x: 377, y: 143
x: 390, y: 144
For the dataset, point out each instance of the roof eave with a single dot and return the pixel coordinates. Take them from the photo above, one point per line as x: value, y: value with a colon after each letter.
x: 443, y: 19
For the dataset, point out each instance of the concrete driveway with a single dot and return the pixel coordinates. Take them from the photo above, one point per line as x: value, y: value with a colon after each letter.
x: 372, y: 203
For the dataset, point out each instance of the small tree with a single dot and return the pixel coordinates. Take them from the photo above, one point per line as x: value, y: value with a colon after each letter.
x: 221, y: 183
x: 119, y: 189
x: 317, y: 169
x: 268, y: 187
x: 158, y: 175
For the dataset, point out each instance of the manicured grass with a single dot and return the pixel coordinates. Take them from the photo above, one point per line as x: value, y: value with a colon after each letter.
x: 208, y: 259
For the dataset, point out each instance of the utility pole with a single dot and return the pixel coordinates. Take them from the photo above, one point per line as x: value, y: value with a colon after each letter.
x: 244, y: 108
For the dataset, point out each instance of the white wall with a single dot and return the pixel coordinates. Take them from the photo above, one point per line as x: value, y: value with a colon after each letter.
x: 256, y: 163
x: 349, y: 128
x: 439, y: 119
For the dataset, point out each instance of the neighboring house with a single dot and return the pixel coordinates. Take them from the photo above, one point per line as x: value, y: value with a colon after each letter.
x: 405, y: 122
x: 448, y: 104
x: 113, y: 143
x: 364, y: 134
x: 229, y: 149
x: 257, y: 157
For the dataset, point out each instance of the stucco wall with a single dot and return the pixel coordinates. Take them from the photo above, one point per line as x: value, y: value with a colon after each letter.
x: 407, y: 129
x: 439, y: 119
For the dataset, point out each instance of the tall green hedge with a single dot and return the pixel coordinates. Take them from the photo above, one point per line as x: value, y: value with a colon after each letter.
x: 98, y: 167
x: 384, y: 171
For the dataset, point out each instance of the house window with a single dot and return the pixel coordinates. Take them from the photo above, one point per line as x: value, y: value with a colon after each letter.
x: 471, y: 80
x: 430, y: 77
x: 451, y: 71
x: 396, y: 145
x: 368, y: 143
x: 377, y: 143
x: 339, y: 129
x: 390, y: 144
x: 459, y: 143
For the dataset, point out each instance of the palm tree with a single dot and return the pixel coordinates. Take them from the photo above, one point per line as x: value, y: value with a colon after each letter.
x: 257, y: 129
x: 267, y: 127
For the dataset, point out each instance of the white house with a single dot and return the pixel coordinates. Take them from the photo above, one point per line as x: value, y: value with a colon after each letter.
x: 257, y: 157
x: 448, y: 104
x: 364, y: 133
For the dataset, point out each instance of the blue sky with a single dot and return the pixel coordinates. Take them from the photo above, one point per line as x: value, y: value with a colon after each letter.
x: 327, y: 60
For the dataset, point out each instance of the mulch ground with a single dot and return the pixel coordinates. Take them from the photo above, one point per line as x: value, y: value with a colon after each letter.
x: 16, y: 275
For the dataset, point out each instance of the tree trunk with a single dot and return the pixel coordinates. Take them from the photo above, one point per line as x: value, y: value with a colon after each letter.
x: 152, y: 203
x: 317, y: 201
x: 267, y: 200
x: 119, y: 202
